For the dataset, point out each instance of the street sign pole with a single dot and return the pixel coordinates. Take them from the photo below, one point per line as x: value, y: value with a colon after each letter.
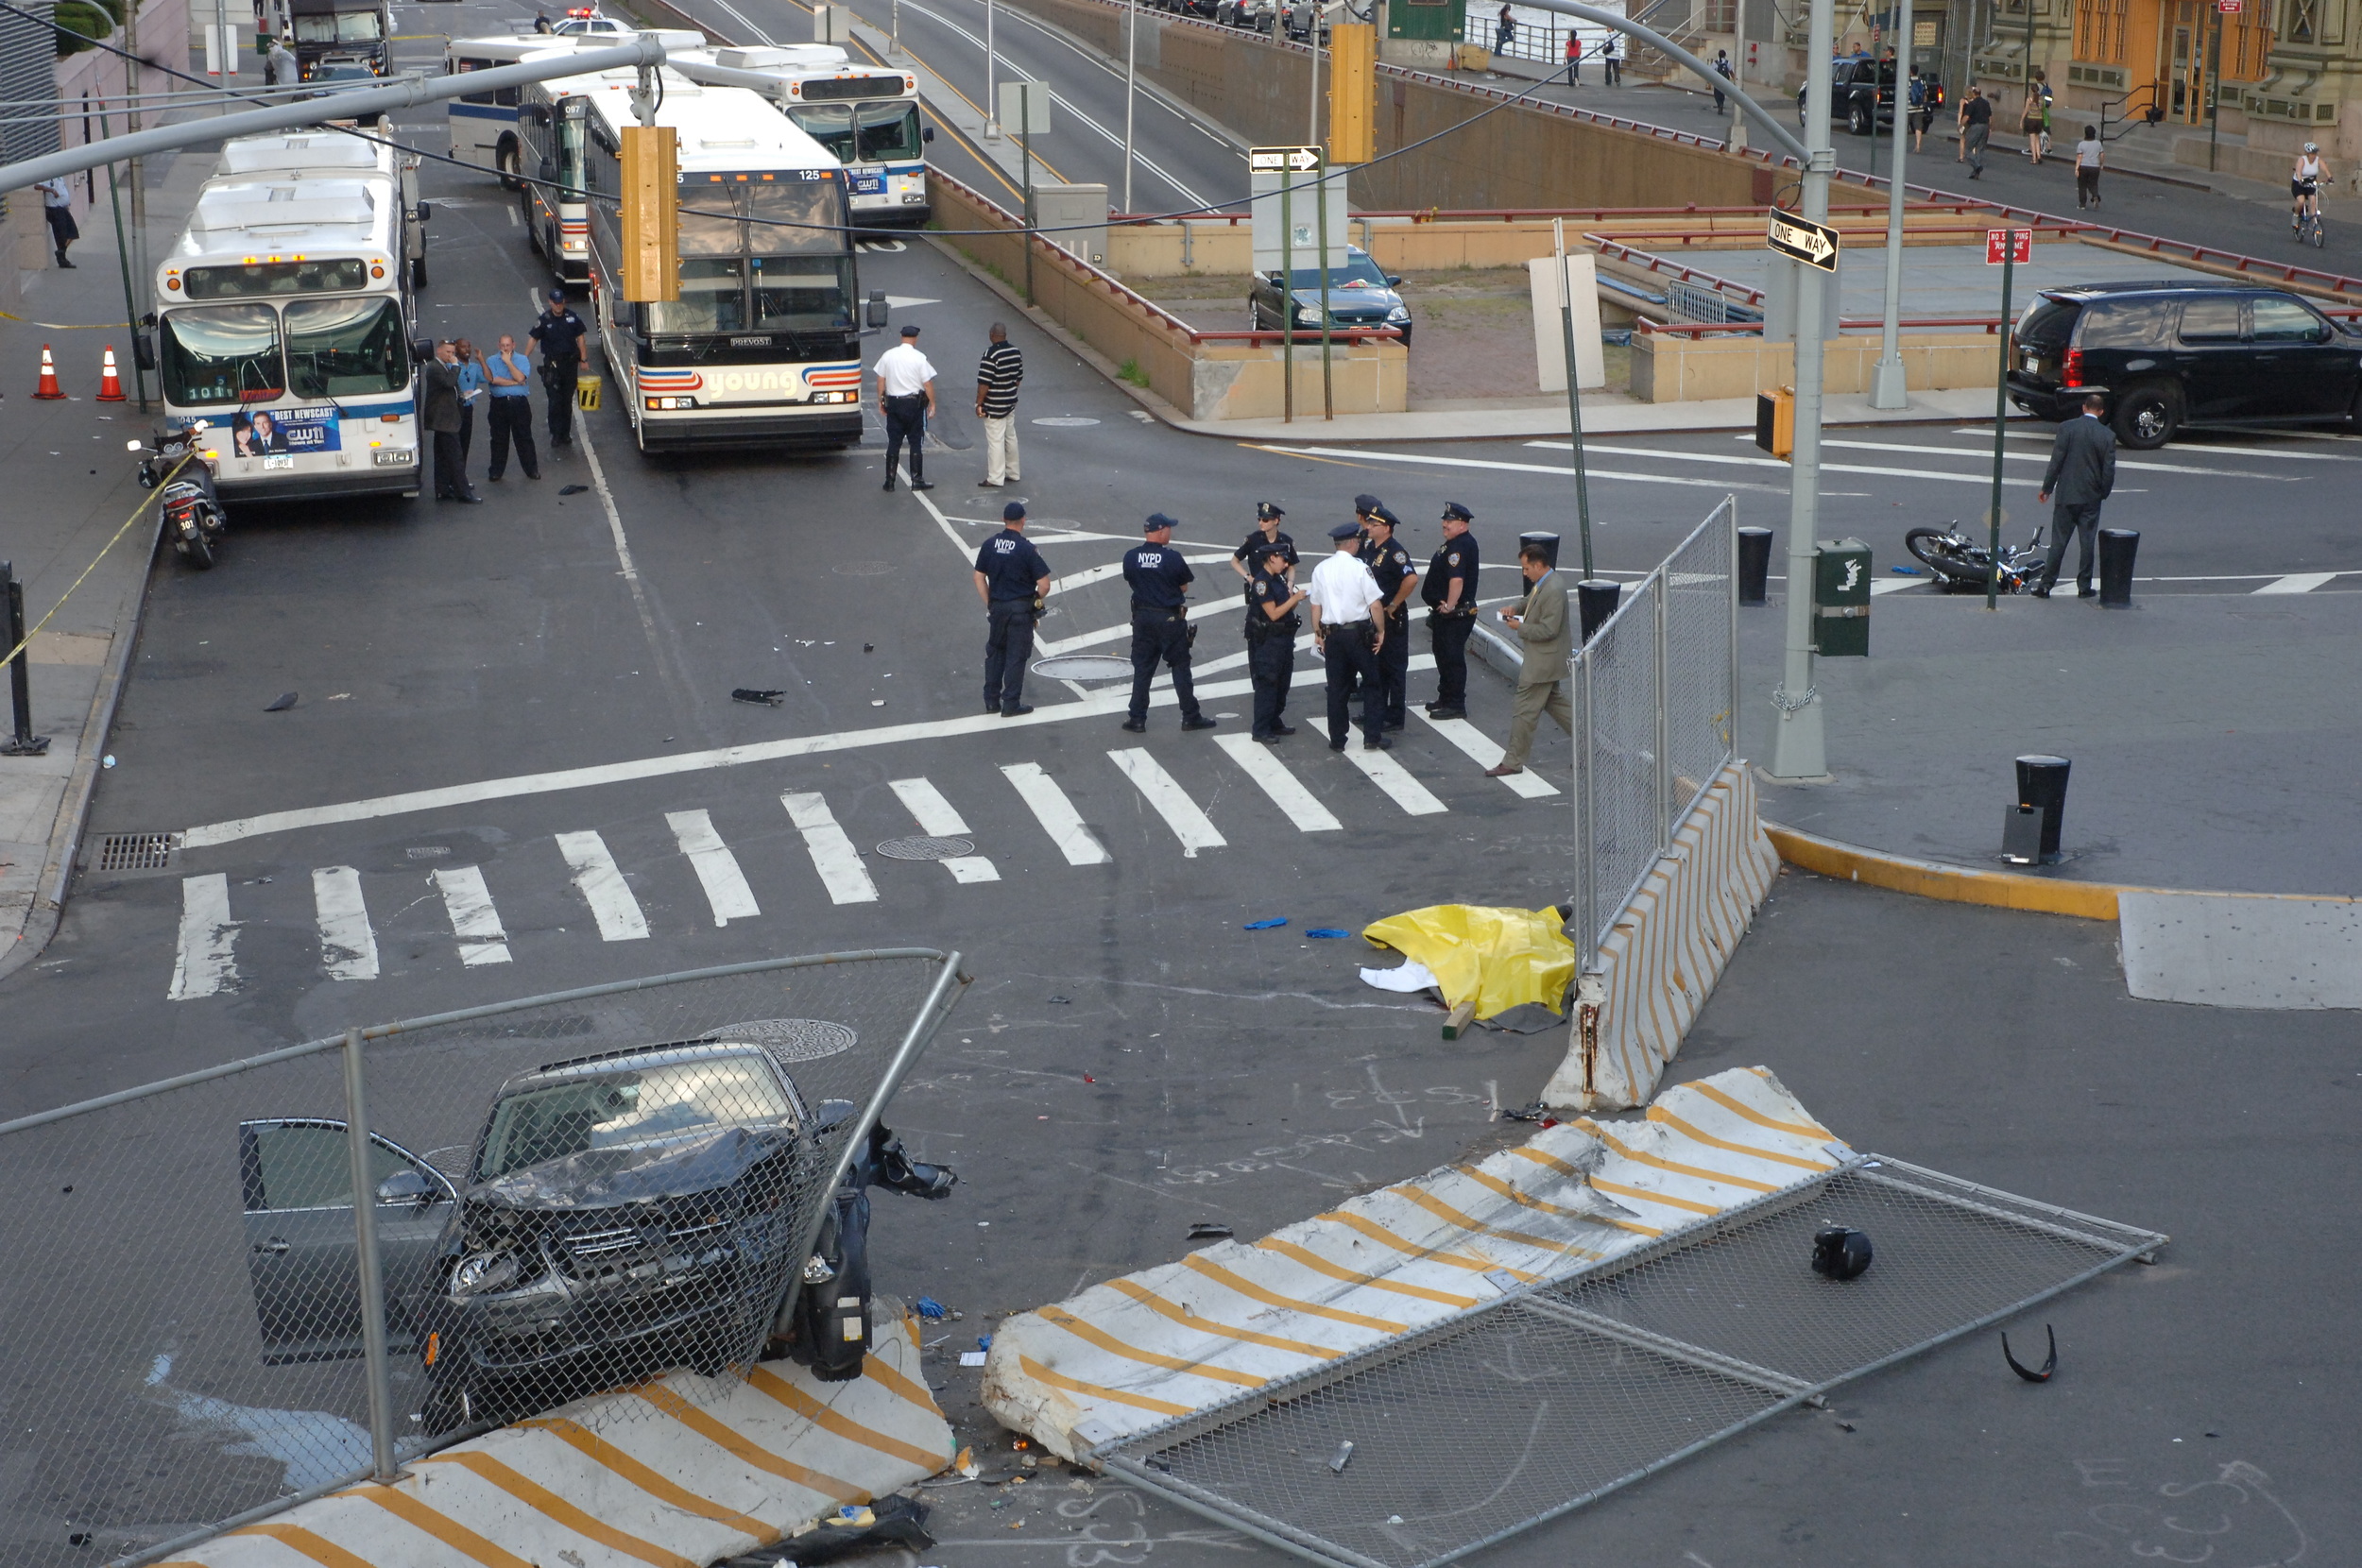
x: 2008, y: 248
x: 1131, y: 82
x: 2213, y: 88
x: 1574, y: 402
x: 1888, y: 387
x: 1287, y: 301
x: 1320, y: 199
x: 1025, y: 139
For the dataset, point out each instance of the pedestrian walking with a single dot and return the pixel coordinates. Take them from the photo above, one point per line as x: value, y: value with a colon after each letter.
x: 1548, y: 642
x: 2082, y: 473
x: 906, y: 396
x: 2031, y: 117
x: 1344, y: 600
x: 440, y: 414
x: 1449, y: 590
x: 471, y: 385
x: 1012, y: 580
x: 2091, y: 156
x: 560, y: 331
x: 1574, y: 56
x: 1267, y: 532
x: 997, y: 379
x: 1504, y: 30
x: 1922, y: 111
x: 1390, y: 564
x: 1976, y: 130
x: 280, y: 67
x: 1723, y: 72
x: 1272, y: 626
x: 56, y: 207
x: 509, y: 415
x: 1161, y: 632
x: 1612, y: 61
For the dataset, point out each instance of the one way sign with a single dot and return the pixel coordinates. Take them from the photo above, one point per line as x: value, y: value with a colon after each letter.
x: 1814, y: 244
x: 1283, y: 159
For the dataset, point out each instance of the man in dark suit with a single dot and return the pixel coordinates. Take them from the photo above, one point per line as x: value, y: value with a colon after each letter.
x: 2082, y: 471
x: 438, y: 412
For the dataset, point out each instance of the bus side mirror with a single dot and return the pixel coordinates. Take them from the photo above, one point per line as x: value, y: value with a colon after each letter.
x: 874, y: 312
x: 549, y: 171
x: 927, y: 133
x: 144, y: 349
x: 425, y: 210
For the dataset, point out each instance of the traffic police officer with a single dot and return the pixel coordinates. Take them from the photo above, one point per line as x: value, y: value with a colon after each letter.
x: 1390, y: 563
x: 1160, y: 622
x: 1267, y: 531
x: 560, y: 331
x: 1270, y: 635
x: 1012, y: 580
x: 1450, y: 593
x: 1345, y: 601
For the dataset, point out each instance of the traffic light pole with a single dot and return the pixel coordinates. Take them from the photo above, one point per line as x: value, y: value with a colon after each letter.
x: 1887, y: 387
x: 2000, y: 424
x: 1025, y: 140
x: 1574, y: 400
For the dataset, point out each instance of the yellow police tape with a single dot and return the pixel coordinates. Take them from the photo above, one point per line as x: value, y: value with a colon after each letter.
x: 1502, y: 958
x: 587, y: 394
x: 11, y: 653
x: 64, y: 326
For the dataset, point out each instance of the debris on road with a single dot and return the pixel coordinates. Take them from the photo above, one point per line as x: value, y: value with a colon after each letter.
x: 2048, y: 1367
x: 1839, y: 1252
x: 1502, y: 959
x: 286, y: 700
x: 1208, y: 1230
x: 771, y: 697
x: 1273, y: 924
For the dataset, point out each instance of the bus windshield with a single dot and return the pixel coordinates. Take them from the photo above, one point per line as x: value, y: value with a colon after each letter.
x: 345, y: 347
x: 339, y: 27
x: 221, y: 354
x: 803, y: 292
x: 888, y: 131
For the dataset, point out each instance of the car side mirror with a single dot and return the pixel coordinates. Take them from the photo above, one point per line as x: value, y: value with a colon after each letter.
x: 874, y: 311
x: 927, y: 133
x: 406, y: 1186
x: 1393, y: 281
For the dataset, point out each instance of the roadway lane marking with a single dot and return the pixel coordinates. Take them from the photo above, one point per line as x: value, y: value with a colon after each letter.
x: 832, y: 853
x: 1893, y: 585
x: 601, y: 883
x: 2299, y: 582
x: 717, y: 869
x: 1781, y: 463
x: 1057, y: 814
x: 347, y: 946
x: 1391, y: 776
x: 1355, y: 454
x: 1190, y: 825
x: 2236, y: 451
x: 204, y: 963
x: 1296, y: 802
x: 1108, y: 634
x: 937, y: 818
x: 473, y: 920
x: 1479, y: 747
x: 2038, y: 457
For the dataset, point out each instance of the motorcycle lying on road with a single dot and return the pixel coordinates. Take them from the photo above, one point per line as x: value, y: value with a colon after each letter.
x: 1961, y: 565
x: 193, y: 511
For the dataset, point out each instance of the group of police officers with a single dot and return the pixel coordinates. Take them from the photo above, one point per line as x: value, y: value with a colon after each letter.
x: 1358, y: 601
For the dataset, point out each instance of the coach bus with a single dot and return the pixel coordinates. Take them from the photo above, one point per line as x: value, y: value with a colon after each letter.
x: 866, y: 116
x: 763, y: 346
x: 484, y: 125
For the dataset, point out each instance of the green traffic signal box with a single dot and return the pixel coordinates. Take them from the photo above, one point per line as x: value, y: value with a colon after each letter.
x: 1841, y: 599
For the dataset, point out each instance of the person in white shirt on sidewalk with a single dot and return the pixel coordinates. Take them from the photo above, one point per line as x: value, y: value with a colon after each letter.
x: 1343, y: 596
x: 906, y: 396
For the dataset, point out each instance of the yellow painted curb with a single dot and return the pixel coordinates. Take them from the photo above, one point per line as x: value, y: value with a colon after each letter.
x: 1952, y: 883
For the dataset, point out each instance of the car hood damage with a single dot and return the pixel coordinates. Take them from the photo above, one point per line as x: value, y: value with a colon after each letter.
x: 603, y: 1178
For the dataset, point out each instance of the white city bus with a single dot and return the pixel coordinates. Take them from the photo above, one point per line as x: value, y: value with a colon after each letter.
x: 284, y: 324
x: 484, y: 125
x: 763, y: 346
x: 318, y: 152
x: 867, y: 116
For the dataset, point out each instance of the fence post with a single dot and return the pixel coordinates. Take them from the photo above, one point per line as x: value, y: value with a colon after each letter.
x: 1730, y: 691
x: 1659, y: 604
x: 372, y: 1273
x: 1586, y: 869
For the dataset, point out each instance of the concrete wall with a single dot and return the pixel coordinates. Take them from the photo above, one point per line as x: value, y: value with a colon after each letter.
x: 1668, y: 368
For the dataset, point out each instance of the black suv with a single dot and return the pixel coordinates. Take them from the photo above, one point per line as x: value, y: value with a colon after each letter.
x: 1862, y: 94
x: 2169, y: 354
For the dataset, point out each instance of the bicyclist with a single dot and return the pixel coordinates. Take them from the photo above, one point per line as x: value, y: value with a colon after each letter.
x: 2305, y: 186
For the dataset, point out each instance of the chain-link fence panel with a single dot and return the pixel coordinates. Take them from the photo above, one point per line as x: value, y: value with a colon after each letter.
x: 1700, y: 595
x: 1615, y: 755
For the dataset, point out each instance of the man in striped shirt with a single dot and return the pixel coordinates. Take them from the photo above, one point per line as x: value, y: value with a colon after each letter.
x: 996, y: 380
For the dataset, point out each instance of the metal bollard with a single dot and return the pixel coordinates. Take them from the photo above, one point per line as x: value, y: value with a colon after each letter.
x: 1595, y: 600
x: 1754, y: 565
x: 2042, y: 786
x: 2117, y: 546
x: 21, y: 741
x: 1547, y: 541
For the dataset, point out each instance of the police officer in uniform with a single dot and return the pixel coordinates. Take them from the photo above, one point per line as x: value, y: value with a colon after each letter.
x: 1345, y: 603
x: 1270, y: 635
x: 1450, y: 593
x: 1160, y: 622
x: 560, y: 333
x: 1012, y: 580
x: 1267, y: 531
x: 1390, y: 563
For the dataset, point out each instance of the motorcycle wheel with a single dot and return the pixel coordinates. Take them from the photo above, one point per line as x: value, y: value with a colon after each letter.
x: 198, y: 548
x: 1928, y: 546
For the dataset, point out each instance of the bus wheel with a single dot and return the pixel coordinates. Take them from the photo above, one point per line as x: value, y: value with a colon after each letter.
x: 507, y: 159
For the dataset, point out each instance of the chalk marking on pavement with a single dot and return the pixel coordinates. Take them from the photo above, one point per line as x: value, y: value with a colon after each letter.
x: 1057, y: 814
x: 716, y: 867
x: 1337, y: 453
x: 832, y: 853
x: 473, y: 920
x: 204, y: 963
x: 1287, y: 792
x: 2236, y: 451
x: 1190, y: 823
x: 347, y: 946
x: 1782, y: 463
x: 1480, y: 748
x: 1392, y: 778
x: 2299, y: 582
x: 2038, y: 457
x: 601, y: 883
x: 937, y: 818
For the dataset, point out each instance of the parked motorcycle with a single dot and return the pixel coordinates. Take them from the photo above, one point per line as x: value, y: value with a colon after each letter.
x: 193, y: 511
x: 1961, y: 565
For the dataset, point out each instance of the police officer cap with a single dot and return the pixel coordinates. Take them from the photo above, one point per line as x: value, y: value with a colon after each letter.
x: 1267, y: 549
x: 1385, y: 515
x: 558, y: 295
x: 1264, y: 510
x: 1012, y: 511
x: 1453, y: 510
x: 1345, y: 531
x: 1366, y: 503
x: 1157, y: 521
x: 910, y: 331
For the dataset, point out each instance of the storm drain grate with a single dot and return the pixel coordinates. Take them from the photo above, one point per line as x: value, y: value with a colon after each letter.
x: 1083, y: 667
x: 925, y: 849
x: 136, y: 851
x: 790, y: 1039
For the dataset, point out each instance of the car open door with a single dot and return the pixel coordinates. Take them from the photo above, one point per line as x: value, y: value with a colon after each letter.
x: 2306, y: 366
x: 297, y: 1175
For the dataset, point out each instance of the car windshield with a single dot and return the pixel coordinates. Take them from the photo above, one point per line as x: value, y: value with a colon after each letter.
x: 345, y: 347
x: 339, y: 27
x: 221, y: 354
x: 628, y: 1106
x: 1358, y: 273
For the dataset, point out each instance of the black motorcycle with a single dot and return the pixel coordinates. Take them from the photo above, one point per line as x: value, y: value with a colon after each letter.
x: 1961, y: 565
x: 193, y: 517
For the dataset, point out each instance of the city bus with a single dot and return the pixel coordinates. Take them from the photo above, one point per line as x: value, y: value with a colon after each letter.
x: 321, y: 153
x: 284, y: 324
x: 866, y: 116
x: 763, y: 347
x: 484, y: 125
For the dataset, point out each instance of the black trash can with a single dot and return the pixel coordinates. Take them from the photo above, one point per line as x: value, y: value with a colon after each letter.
x: 1754, y: 565
x: 1549, y: 543
x: 1595, y: 600
x: 2042, y: 786
x: 2117, y: 546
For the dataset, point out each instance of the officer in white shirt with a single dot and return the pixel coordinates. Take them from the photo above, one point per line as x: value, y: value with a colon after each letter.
x: 906, y: 397
x: 1342, y: 595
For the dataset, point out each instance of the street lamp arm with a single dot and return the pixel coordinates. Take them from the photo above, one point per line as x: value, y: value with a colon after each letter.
x: 1754, y: 111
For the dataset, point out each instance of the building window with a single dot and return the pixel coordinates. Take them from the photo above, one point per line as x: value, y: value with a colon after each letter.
x: 2099, y: 32
x: 2301, y: 20
x: 1718, y: 16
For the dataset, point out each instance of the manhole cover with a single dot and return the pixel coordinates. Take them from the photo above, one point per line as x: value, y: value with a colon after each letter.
x: 863, y: 569
x: 790, y: 1039
x: 1083, y: 667
x: 925, y: 849
x: 135, y: 851
x: 1065, y: 421
x: 427, y: 851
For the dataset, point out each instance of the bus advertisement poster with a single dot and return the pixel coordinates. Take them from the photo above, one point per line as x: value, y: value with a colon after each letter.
x: 268, y: 431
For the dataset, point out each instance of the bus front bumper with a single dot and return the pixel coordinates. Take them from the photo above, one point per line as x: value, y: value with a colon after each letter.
x: 703, y: 431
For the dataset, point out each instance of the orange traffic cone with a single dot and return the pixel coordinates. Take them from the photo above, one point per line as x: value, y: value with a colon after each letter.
x: 109, y: 385
x: 49, y: 387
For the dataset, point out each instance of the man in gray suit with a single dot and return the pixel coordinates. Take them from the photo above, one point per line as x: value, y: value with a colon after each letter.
x: 2082, y: 471
x: 1541, y: 625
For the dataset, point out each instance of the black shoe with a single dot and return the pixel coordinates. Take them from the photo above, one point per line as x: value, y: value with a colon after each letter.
x: 1336, y: 746
x: 2041, y: 593
x: 1265, y: 740
x: 922, y: 485
x: 1201, y: 722
x: 470, y: 500
x: 889, y: 485
x: 2087, y: 593
x: 1395, y: 724
x: 1378, y: 743
x: 1136, y: 726
x: 992, y: 705
x: 1015, y: 709
x: 491, y: 478
x: 1283, y: 729
x: 988, y: 483
x: 1447, y: 712
x: 63, y: 263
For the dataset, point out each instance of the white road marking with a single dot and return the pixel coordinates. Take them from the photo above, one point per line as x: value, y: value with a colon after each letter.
x: 937, y: 818
x: 473, y: 920
x: 514, y: 221
x: 601, y: 881
x: 716, y: 867
x: 1192, y: 826
x: 1781, y: 463
x: 1481, y: 750
x: 1391, y: 776
x: 832, y: 853
x: 1893, y: 585
x: 204, y: 965
x: 1299, y: 803
x: 1363, y: 454
x: 2045, y: 438
x: 347, y: 946
x: 1057, y: 814
x: 2040, y: 457
x: 2299, y: 582
x: 1108, y: 634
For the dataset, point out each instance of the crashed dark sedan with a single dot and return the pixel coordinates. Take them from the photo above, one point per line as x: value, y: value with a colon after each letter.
x: 1358, y: 295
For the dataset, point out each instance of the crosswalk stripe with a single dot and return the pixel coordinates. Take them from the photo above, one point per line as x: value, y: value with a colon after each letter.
x: 1190, y: 823
x: 346, y: 945
x: 937, y: 818
x: 2040, y: 457
x: 473, y: 920
x: 832, y: 853
x: 2299, y: 582
x: 1057, y: 814
x: 716, y: 867
x: 1391, y: 776
x: 1893, y: 585
x: 204, y: 962
x: 2194, y: 451
x: 1479, y: 749
x: 1290, y: 796
x: 601, y: 881
x: 1726, y: 458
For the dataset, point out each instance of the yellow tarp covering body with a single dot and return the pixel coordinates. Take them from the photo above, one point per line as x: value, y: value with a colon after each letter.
x: 1502, y: 958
